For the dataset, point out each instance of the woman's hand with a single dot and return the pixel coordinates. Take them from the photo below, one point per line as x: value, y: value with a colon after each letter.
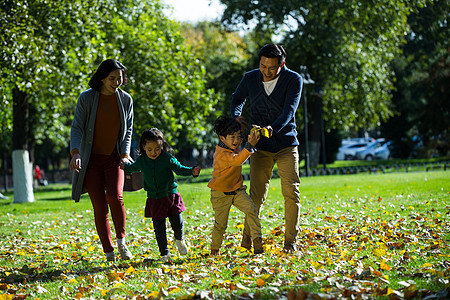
x: 123, y: 162
x: 196, y: 171
x: 253, y: 137
x: 75, y: 162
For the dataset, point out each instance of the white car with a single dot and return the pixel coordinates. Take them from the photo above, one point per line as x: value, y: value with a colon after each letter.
x: 383, y: 152
x: 348, y: 151
x: 375, y: 150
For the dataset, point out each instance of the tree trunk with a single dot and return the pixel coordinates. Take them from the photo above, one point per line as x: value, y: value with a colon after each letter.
x: 22, y: 168
x: 314, y: 131
x: 5, y: 172
x: 20, y: 120
x: 22, y: 177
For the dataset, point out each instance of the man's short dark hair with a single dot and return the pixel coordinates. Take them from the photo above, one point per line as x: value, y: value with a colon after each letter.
x: 273, y: 51
x: 224, y: 126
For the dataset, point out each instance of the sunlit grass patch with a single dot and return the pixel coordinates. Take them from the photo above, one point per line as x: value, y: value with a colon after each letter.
x: 359, y: 235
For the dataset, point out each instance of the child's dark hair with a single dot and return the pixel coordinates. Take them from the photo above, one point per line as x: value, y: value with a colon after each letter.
x: 154, y: 135
x: 224, y: 126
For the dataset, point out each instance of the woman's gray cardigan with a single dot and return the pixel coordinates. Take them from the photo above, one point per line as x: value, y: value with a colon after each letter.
x: 82, y: 132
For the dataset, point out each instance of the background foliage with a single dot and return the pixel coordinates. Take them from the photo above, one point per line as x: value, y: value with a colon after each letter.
x: 383, y: 63
x: 49, y: 51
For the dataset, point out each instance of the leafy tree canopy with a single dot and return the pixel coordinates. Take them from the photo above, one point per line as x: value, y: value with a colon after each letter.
x: 346, y: 45
x: 49, y: 50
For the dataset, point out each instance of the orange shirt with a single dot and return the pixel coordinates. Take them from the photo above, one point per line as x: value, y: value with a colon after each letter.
x: 107, y: 125
x: 227, y: 165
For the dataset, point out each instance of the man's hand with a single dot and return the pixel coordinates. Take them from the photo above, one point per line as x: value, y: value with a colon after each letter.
x: 270, y: 129
x: 75, y: 162
x: 242, y: 121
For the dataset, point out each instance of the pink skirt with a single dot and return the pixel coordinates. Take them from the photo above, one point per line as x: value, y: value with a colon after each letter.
x: 162, y: 208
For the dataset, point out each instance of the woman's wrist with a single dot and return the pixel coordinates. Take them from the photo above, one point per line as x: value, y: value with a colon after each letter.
x: 74, y: 151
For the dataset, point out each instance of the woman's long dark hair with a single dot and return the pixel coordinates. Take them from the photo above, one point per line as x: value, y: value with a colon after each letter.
x: 154, y: 135
x: 103, y: 71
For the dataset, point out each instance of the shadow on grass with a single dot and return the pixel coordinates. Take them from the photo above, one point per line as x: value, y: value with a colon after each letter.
x: 77, y: 267
x: 62, y: 198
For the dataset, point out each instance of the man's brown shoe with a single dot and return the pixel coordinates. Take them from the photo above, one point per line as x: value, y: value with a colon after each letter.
x: 289, y: 248
x: 246, y: 241
x: 257, y: 246
x: 215, y: 252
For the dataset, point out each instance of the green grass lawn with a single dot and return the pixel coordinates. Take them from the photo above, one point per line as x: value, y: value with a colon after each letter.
x: 366, y: 235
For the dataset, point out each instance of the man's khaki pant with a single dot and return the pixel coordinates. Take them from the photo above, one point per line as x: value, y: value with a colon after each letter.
x: 221, y: 205
x: 261, y: 166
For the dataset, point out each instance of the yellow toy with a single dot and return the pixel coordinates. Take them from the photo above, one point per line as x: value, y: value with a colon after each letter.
x: 263, y: 131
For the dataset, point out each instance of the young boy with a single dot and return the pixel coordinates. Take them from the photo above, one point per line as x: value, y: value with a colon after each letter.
x: 226, y: 185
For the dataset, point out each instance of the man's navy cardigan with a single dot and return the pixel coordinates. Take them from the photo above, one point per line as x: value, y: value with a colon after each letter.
x: 277, y: 109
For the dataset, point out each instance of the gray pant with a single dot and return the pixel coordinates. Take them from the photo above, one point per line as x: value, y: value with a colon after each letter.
x: 261, y: 166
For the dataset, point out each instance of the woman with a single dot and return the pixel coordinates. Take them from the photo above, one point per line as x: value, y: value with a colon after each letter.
x: 100, y: 140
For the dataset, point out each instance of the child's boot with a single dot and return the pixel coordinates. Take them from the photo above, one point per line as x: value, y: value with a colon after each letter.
x: 257, y: 246
x: 182, y: 248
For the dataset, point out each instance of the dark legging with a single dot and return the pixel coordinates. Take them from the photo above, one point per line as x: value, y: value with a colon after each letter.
x: 176, y: 221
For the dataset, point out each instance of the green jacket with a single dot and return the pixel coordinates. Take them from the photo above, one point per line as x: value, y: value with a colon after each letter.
x: 159, y: 180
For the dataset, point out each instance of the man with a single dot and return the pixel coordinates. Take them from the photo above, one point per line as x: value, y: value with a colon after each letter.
x: 273, y: 92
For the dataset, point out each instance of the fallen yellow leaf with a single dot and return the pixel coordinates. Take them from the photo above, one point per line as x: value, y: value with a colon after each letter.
x: 379, y: 252
x: 385, y: 266
x: 260, y: 282
x: 148, y: 285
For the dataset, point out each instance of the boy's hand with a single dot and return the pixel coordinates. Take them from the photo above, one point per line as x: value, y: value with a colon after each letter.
x: 253, y: 137
x: 196, y: 171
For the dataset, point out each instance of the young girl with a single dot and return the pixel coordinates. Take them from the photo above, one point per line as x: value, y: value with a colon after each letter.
x: 157, y: 163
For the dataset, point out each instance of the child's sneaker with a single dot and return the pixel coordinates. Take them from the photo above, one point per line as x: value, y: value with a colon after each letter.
x: 125, y: 254
x: 257, y: 246
x: 110, y: 256
x: 182, y: 248
x: 166, y: 258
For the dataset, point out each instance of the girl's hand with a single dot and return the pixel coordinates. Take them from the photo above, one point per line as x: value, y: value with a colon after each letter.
x: 75, y: 162
x: 196, y: 171
x: 253, y: 138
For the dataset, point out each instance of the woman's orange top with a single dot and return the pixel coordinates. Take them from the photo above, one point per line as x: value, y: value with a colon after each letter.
x: 107, y: 125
